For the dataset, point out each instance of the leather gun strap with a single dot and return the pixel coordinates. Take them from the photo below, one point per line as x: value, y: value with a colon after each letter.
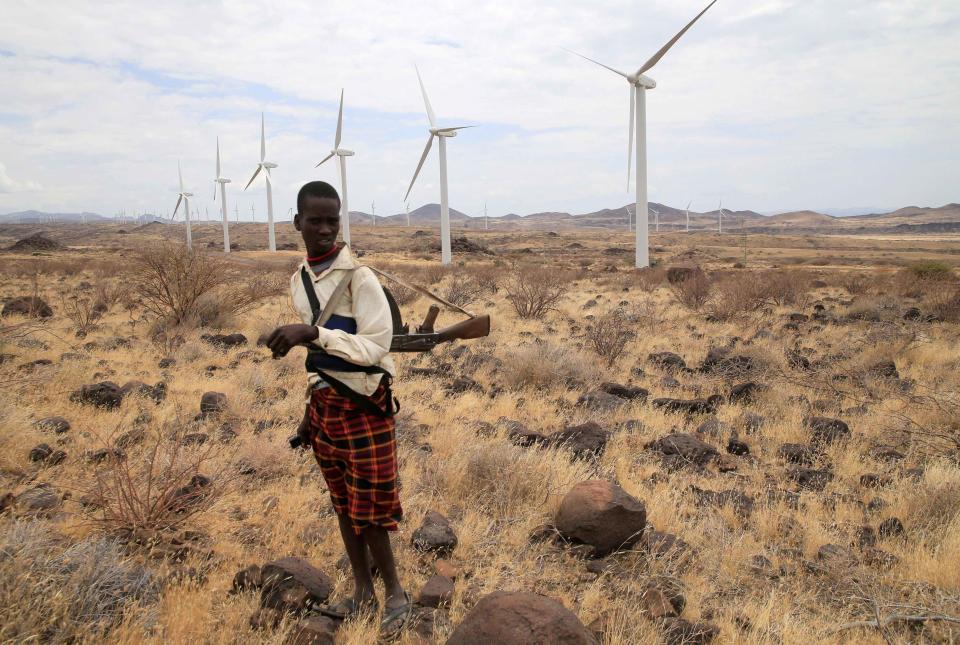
x: 321, y: 317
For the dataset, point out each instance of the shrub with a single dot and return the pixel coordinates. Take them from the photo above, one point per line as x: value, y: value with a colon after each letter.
x: 609, y: 333
x: 693, y: 291
x: 783, y: 287
x: 81, y: 311
x: 534, y: 291
x: 462, y: 290
x: 171, y: 280
x: 545, y: 365
x: 943, y: 301
x: 930, y: 270
x: 735, y: 296
x: 487, y: 277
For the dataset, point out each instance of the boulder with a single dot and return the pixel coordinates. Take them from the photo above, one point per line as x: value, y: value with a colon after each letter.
x: 744, y: 392
x: 685, y: 446
x: 314, y: 630
x: 689, y: 406
x: 224, y: 341
x: 884, y: 370
x: 738, y: 500
x: 656, y: 605
x: 667, y: 360
x: 435, y: 535
x: 437, y: 591
x: 56, y: 425
x: 105, y: 394
x: 679, y: 631
x: 27, y: 306
x: 719, y: 360
x: 795, y: 453
x: 40, y: 499
x: 520, y: 618
x: 737, y: 447
x: 600, y: 401
x: 825, y: 430
x: 601, y: 514
x: 40, y: 452
x: 212, y: 404
x: 810, y: 478
x: 247, y: 579
x: 628, y: 392
x: 586, y: 440
x: 293, y: 584
x: 713, y: 427
x: 891, y: 527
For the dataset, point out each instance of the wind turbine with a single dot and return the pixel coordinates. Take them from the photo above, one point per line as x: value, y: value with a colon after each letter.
x: 688, y: 216
x: 486, y: 220
x: 441, y: 134
x: 185, y: 198
x: 373, y: 211
x: 720, y: 217
x: 656, y: 214
x: 639, y: 84
x: 407, y: 207
x: 266, y: 166
x: 223, y: 181
x: 342, y: 154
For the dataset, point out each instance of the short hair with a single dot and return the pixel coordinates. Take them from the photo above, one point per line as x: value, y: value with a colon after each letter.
x: 316, y: 189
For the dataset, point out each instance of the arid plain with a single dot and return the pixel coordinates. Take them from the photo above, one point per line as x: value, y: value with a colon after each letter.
x: 817, y: 500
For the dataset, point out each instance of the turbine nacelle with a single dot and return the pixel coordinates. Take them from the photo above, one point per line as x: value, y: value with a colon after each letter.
x: 221, y: 180
x: 641, y: 80
x: 343, y: 152
x: 269, y: 165
x: 443, y: 132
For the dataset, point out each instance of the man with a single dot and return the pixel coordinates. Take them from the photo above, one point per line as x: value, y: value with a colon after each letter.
x: 349, y: 415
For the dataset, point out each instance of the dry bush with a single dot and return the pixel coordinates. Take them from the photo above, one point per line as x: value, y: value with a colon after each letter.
x: 171, y: 279
x: 855, y: 282
x: 545, y: 365
x: 462, y: 290
x: 158, y: 489
x: 49, y: 593
x: 943, y: 301
x: 693, y: 292
x: 609, y: 333
x: 533, y: 291
x: 433, y: 273
x: 109, y: 290
x: 487, y: 277
x: 81, y: 311
x: 649, y: 278
x: 930, y: 270
x: 241, y: 294
x: 783, y: 287
x: 403, y: 295
x: 735, y: 296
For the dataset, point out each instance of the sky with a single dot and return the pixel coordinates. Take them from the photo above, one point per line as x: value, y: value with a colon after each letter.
x: 768, y: 105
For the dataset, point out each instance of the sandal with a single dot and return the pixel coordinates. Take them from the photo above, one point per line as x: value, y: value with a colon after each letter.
x: 348, y: 608
x: 394, y: 620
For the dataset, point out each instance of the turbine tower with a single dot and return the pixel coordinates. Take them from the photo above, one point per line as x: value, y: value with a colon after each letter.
x: 373, y: 212
x: 223, y: 181
x: 441, y: 134
x: 342, y: 154
x: 266, y: 166
x: 720, y: 217
x: 185, y: 198
x: 656, y: 215
x: 639, y: 84
x: 407, y: 207
x: 688, y: 216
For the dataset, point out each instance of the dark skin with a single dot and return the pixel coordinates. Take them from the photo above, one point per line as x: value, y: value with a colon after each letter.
x: 319, y: 224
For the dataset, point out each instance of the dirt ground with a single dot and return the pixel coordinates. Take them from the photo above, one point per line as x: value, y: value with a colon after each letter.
x: 779, y: 530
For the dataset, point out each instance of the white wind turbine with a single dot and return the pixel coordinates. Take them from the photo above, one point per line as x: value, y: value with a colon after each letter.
x: 688, y: 216
x: 639, y: 84
x: 223, y: 181
x: 342, y: 154
x: 656, y: 215
x: 720, y: 217
x: 266, y: 167
x: 441, y: 134
x: 185, y: 198
x: 407, y: 207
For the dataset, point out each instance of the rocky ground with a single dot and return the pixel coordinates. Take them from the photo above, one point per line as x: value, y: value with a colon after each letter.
x: 704, y: 453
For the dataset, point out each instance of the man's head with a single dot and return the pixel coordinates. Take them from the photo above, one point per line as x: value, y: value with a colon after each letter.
x: 318, y: 217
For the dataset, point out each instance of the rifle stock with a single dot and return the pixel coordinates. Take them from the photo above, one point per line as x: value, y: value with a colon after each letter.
x: 476, y: 327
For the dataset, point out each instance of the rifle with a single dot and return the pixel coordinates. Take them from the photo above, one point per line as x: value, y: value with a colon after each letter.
x: 426, y: 338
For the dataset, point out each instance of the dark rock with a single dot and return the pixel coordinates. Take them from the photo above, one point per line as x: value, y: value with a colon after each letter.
x: 27, y: 306
x: 313, y: 630
x: 104, y: 455
x: 587, y: 440
x: 601, y: 514
x: 130, y: 438
x: 686, y: 446
x: 875, y: 480
x: 713, y: 427
x: 656, y: 605
x: 628, y: 392
x: 718, y: 360
x: 164, y: 363
x: 836, y: 555
x: 744, y: 392
x: 194, y: 439
x: 293, y: 584
x: 691, y: 406
x: 40, y: 362
x: 102, y: 395
x: 737, y: 447
x: 247, y: 579
x: 795, y: 453
x: 798, y: 361
x: 224, y: 341
x: 810, y: 478
x: 40, y: 452
x: 520, y: 435
x: 667, y: 360
x: 40, y: 499
x: 825, y: 430
x: 891, y: 527
x: 884, y: 369
x: 56, y: 425
x: 463, y: 384
x: 520, y: 618
x: 212, y: 404
x: 866, y: 537
x: 437, y: 591
x: 600, y: 401
x: 435, y: 535
x: 913, y: 313
x: 679, y: 631
x: 740, y: 502
x: 753, y: 422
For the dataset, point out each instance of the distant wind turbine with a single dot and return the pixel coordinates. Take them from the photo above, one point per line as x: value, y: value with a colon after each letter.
x: 656, y: 214
x: 222, y: 181
x: 441, y: 134
x: 407, y: 207
x: 185, y: 198
x: 720, y: 217
x: 639, y: 84
x: 688, y: 216
x: 266, y: 167
x: 373, y: 211
x: 342, y: 154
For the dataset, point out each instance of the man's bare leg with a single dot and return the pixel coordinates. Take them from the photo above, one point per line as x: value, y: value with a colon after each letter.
x: 357, y: 553
x: 378, y: 540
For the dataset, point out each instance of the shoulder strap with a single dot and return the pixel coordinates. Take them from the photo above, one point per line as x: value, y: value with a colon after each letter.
x: 321, y: 317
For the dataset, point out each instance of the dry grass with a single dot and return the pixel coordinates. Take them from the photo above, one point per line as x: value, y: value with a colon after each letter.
x: 66, y: 578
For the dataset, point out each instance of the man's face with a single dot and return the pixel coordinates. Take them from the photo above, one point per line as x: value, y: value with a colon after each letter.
x: 319, y: 223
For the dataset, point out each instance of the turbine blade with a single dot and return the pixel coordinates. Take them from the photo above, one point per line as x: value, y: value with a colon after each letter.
x: 336, y: 141
x: 325, y: 159
x: 633, y: 92
x: 180, y: 174
x: 423, y: 158
x: 255, y: 173
x: 455, y: 128
x: 177, y: 207
x: 215, y: 191
x: 663, y: 50
x: 615, y: 71
x: 263, y: 138
x: 426, y: 100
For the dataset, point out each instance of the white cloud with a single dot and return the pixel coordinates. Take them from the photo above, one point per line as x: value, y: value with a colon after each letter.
x: 10, y: 185
x: 768, y: 103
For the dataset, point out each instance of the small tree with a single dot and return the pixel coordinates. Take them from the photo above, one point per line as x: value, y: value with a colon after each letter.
x: 693, y: 291
x: 171, y: 280
x: 533, y: 291
x: 609, y: 334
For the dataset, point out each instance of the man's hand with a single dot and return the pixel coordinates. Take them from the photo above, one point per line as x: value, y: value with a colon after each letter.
x: 284, y: 338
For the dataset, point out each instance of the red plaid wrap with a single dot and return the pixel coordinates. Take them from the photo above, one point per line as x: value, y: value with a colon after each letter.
x: 357, y: 453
